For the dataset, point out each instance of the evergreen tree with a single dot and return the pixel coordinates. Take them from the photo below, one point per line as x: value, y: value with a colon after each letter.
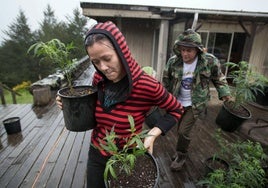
x: 76, y: 31
x: 50, y: 28
x: 16, y: 65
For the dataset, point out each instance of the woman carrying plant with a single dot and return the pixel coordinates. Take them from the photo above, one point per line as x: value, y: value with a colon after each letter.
x: 123, y: 89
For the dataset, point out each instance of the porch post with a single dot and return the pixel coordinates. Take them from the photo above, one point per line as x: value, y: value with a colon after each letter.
x: 162, y: 48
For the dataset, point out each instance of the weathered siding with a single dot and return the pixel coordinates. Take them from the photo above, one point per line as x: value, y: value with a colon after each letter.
x: 259, y: 53
x: 222, y: 27
x: 139, y: 36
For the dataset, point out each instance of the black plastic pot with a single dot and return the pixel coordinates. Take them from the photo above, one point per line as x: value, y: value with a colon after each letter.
x: 215, y: 163
x: 262, y: 99
x: 79, y: 111
x: 12, y: 125
x: 230, y: 121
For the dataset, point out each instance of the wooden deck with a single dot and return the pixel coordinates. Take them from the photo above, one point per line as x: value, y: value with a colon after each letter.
x: 45, y: 154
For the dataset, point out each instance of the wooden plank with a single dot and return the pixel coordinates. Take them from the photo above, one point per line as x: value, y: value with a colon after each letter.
x: 6, y: 109
x: 80, y: 172
x: 72, y: 161
x: 48, y: 158
x: 26, y: 166
x: 9, y: 175
x: 36, y: 172
x: 60, y: 166
x: 8, y: 145
x: 28, y: 123
x: 12, y: 157
x: 12, y: 112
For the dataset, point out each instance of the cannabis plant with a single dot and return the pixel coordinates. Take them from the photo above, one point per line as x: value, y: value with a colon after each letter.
x: 247, y: 82
x: 58, y: 53
x: 123, y: 158
x: 245, y: 159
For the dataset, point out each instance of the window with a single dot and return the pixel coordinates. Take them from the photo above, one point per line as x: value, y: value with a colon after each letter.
x: 225, y: 46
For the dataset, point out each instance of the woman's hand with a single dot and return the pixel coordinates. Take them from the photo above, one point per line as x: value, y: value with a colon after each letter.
x: 59, y: 102
x: 149, y: 140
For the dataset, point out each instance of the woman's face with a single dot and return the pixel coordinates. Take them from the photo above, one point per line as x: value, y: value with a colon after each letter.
x: 188, y: 54
x: 105, y: 59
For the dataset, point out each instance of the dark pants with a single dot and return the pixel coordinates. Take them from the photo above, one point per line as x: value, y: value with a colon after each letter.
x: 184, y: 129
x: 95, y: 169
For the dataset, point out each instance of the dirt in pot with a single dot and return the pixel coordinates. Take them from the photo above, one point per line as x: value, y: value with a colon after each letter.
x: 215, y: 163
x: 237, y: 110
x: 143, y: 175
x: 78, y: 91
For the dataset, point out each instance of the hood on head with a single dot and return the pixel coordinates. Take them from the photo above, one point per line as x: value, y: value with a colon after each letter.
x: 188, y: 38
x: 118, y: 40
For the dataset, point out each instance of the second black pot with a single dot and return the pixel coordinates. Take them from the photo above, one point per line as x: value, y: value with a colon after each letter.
x: 230, y: 121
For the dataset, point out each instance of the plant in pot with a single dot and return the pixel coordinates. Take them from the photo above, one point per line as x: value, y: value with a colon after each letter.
x: 79, y: 101
x: 246, y: 82
x: 245, y: 159
x: 132, y: 165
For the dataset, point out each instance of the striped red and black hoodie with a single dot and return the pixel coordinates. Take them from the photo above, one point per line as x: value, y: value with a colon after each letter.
x: 140, y: 93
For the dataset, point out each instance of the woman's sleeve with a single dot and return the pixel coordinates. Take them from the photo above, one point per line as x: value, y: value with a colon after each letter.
x: 173, y: 108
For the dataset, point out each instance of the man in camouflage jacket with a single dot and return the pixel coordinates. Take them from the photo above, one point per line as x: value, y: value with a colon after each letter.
x: 187, y: 76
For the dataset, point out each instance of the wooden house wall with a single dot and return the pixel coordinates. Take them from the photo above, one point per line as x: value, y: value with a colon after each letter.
x: 259, y: 52
x: 139, y: 35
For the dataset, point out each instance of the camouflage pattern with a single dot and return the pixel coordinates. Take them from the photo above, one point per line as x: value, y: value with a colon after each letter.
x: 188, y: 38
x: 207, y: 68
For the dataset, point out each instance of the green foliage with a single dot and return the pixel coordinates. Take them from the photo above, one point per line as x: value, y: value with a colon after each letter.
x: 76, y: 31
x: 50, y: 27
x: 17, y: 65
x: 245, y: 160
x: 125, y: 157
x: 57, y: 52
x: 247, y: 82
x: 23, y: 85
x: 25, y: 96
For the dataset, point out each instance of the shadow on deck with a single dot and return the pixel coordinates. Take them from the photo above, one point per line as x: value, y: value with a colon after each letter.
x: 45, y: 154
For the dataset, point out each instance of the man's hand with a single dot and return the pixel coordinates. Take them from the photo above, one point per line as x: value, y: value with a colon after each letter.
x: 226, y: 98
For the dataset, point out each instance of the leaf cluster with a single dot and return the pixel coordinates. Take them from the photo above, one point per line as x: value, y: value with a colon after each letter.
x: 123, y: 158
x: 57, y: 52
x: 245, y: 159
x: 247, y: 82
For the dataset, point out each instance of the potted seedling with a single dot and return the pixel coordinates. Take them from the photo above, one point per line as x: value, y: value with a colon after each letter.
x: 246, y: 83
x: 132, y: 165
x: 245, y: 160
x: 78, y: 101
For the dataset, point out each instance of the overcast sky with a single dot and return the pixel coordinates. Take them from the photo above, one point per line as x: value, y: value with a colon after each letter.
x: 33, y: 9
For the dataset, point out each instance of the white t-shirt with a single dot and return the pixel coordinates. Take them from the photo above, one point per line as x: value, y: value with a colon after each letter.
x: 184, y: 96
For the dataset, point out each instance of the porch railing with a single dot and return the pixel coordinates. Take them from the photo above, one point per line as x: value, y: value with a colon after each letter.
x: 2, y: 95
